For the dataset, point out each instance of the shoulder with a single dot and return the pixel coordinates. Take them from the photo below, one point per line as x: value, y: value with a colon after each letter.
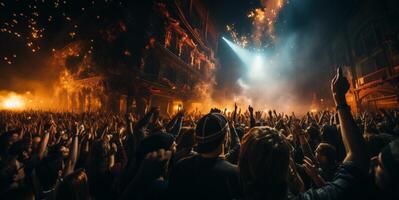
x: 226, y: 167
x: 187, y: 160
x: 185, y: 164
x: 348, y: 182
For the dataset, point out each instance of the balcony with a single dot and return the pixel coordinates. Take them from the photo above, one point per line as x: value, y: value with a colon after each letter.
x: 373, y: 78
x: 395, y: 71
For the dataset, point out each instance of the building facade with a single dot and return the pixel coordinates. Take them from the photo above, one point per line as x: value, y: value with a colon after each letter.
x: 367, y: 46
x: 153, y: 53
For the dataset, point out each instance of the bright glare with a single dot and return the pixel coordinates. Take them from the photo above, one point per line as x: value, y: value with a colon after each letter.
x: 257, y: 67
x: 313, y: 110
x: 13, y: 102
x: 254, y: 61
x: 244, y: 55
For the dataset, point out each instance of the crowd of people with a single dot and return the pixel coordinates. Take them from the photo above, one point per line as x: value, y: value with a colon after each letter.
x: 219, y: 155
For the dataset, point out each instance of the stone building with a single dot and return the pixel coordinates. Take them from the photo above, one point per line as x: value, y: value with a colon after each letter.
x: 367, y: 46
x: 150, y: 53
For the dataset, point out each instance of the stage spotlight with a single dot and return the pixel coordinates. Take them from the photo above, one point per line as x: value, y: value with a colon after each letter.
x: 245, y: 56
x: 254, y: 61
x: 256, y: 71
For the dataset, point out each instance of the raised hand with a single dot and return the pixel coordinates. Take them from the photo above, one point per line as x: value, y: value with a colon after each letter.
x: 311, y: 170
x: 215, y: 110
x: 309, y: 167
x: 297, y: 180
x: 250, y: 109
x: 114, y: 149
x: 339, y: 87
x: 351, y: 136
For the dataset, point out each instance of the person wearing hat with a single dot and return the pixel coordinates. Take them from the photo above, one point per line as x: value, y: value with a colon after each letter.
x: 206, y: 175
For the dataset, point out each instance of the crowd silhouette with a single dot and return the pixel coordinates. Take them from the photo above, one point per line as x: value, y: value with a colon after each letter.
x: 219, y: 155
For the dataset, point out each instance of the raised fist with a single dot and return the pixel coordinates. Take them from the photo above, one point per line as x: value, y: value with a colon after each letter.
x: 339, y: 87
x: 250, y: 109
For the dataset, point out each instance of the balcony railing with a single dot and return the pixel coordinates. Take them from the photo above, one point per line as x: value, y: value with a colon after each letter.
x: 373, y: 77
x: 395, y: 71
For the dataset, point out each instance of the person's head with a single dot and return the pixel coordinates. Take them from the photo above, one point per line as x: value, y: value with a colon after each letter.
x: 330, y: 134
x: 263, y: 163
x: 22, y: 149
x: 155, y: 142
x: 376, y: 142
x: 210, y: 133
x: 75, y: 186
x: 382, y: 127
x: 326, y: 154
x: 371, y: 128
x: 186, y: 140
x: 11, y: 173
x: 385, y: 167
x: 59, y: 150
x: 240, y: 131
x: 6, y: 140
x: 152, y: 143
x: 99, y: 156
x: 49, y: 170
x: 314, y: 137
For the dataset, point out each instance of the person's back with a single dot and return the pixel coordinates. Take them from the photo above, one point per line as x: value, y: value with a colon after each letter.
x: 197, y: 177
x: 206, y: 175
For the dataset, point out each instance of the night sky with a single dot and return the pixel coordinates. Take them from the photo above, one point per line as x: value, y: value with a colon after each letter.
x: 31, y: 29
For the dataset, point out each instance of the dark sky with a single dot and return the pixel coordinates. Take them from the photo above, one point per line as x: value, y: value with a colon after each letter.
x: 313, y: 21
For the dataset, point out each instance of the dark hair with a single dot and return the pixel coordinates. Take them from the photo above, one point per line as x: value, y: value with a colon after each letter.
x: 376, y: 142
x: 5, y: 139
x: 186, y: 139
x: 7, y: 171
x: 330, y: 134
x: 328, y: 151
x: 390, y: 159
x: 75, y: 186
x: 21, y: 193
x: 263, y: 163
x: 48, y: 171
x: 210, y: 132
x: 98, y: 157
x: 314, y: 136
x: 152, y: 143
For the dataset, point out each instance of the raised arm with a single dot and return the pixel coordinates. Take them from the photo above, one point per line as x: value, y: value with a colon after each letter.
x: 234, y: 118
x: 305, y: 147
x: 143, y: 122
x: 177, y: 127
x: 73, y: 155
x: 252, y: 122
x: 43, y: 143
x: 141, y: 125
x: 351, y: 135
x: 234, y: 151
